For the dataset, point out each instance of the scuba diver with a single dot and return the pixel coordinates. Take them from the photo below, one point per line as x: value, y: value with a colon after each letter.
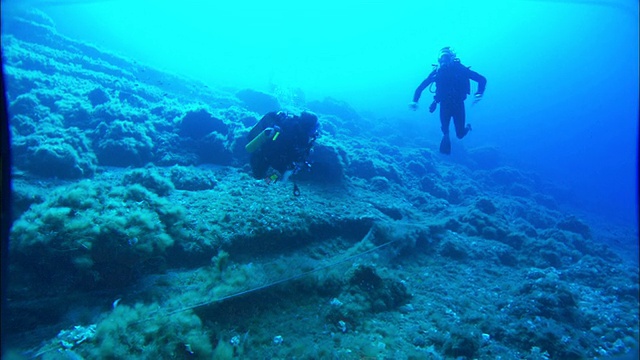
x: 452, y: 87
x: 281, y: 141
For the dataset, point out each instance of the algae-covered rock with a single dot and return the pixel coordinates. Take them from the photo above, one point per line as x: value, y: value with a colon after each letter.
x: 199, y: 123
x: 486, y: 206
x: 97, y: 96
x: 123, y: 143
x: 340, y: 109
x: 257, y: 101
x: 327, y: 164
x: 190, y: 178
x: 575, y: 225
x: 127, y: 329
x: 87, y: 229
x: 61, y: 153
x: 151, y: 179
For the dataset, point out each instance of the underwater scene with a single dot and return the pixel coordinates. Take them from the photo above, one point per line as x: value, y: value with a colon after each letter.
x: 388, y: 185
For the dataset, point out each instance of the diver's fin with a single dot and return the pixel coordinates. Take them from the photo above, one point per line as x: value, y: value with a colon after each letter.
x: 445, y: 145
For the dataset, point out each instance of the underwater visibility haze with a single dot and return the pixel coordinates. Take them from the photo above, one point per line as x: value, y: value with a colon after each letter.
x: 139, y: 232
x: 563, y: 90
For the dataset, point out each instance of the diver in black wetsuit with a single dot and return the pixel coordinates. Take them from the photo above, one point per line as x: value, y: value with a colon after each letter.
x: 452, y: 87
x: 281, y: 141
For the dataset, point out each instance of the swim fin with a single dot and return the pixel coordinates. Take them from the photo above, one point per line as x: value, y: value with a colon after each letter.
x: 445, y: 145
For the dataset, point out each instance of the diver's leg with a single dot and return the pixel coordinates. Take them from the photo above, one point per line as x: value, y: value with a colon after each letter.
x: 445, y: 117
x: 259, y: 165
x: 445, y: 120
x: 459, y: 119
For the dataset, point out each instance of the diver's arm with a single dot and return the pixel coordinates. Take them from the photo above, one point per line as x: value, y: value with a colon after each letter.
x: 423, y: 85
x: 481, y: 80
x: 420, y: 89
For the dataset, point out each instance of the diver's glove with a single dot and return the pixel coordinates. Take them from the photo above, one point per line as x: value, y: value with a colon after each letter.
x: 477, y: 97
x: 413, y: 106
x: 433, y: 106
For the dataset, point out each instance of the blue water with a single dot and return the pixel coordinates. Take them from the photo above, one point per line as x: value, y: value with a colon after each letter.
x: 562, y: 95
x: 561, y: 101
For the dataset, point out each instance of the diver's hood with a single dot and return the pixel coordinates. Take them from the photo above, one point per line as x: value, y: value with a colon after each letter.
x: 446, y: 55
x: 309, y: 122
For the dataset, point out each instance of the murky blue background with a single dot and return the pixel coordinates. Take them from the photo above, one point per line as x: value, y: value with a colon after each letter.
x: 562, y: 95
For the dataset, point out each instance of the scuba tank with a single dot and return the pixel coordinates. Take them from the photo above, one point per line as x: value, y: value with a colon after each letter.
x: 264, y: 136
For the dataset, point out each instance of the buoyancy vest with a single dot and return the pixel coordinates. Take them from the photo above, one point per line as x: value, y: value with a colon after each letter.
x: 452, y: 82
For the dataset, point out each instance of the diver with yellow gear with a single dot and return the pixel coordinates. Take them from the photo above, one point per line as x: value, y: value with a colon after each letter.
x: 452, y: 87
x: 281, y: 141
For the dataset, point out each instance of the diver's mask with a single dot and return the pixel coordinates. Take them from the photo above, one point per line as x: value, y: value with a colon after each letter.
x: 446, y: 56
x: 309, y: 123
